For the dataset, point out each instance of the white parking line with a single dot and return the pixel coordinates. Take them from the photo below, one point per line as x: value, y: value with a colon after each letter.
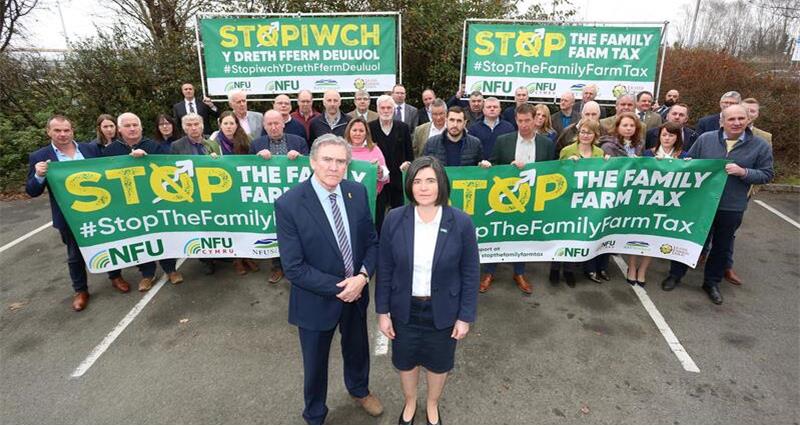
x: 684, y: 358
x: 112, y: 336
x: 381, y: 344
x: 777, y: 213
x: 26, y: 236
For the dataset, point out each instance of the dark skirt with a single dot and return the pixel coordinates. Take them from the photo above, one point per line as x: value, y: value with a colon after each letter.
x: 420, y: 343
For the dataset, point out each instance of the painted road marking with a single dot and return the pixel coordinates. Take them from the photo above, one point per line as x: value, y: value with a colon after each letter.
x: 26, y: 236
x: 673, y: 342
x: 778, y: 213
x: 112, y: 336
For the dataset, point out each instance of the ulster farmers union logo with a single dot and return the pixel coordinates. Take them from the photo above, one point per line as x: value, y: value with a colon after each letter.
x: 100, y: 260
x: 208, y: 246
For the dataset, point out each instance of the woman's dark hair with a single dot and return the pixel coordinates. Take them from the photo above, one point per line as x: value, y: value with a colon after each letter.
x: 636, y: 138
x: 241, y: 142
x: 443, y: 198
x: 176, y: 130
x: 676, y: 130
x: 100, y: 136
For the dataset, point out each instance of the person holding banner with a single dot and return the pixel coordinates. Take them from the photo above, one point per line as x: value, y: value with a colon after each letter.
x: 106, y: 131
x: 585, y: 146
x: 426, y: 291
x: 358, y: 136
x: 751, y: 164
x: 63, y: 147
x: 329, y: 249
x: 519, y: 149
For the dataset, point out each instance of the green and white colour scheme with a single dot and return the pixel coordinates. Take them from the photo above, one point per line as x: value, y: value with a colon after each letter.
x: 574, y: 210
x: 552, y: 59
x: 282, y: 54
x: 125, y: 211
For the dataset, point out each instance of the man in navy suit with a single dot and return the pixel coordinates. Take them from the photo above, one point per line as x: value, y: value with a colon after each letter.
x: 678, y: 114
x: 188, y: 104
x: 710, y: 123
x: 329, y: 249
x: 62, y: 148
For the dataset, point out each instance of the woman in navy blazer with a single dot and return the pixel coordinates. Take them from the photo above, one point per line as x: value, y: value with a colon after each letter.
x: 427, y: 283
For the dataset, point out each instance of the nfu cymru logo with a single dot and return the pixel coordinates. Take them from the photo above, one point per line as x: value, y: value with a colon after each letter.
x: 208, y: 246
x: 129, y: 253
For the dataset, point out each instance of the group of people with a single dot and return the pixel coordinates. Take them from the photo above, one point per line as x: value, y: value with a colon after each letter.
x: 425, y: 252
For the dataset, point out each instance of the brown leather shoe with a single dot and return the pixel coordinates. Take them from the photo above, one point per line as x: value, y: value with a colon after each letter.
x: 80, y: 301
x: 276, y: 276
x: 251, y: 265
x: 146, y: 283
x: 371, y: 404
x: 731, y: 277
x: 120, y: 284
x: 486, y: 282
x: 175, y: 277
x: 238, y: 266
x: 523, y: 284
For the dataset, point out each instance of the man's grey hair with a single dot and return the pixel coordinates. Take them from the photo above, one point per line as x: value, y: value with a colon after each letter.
x: 330, y: 139
x: 590, y: 104
x: 233, y: 93
x: 732, y: 94
x: 125, y: 115
x: 491, y: 99
x: 476, y: 93
x: 724, y: 112
x: 623, y: 96
x: 385, y: 99
x: 192, y: 116
x: 361, y: 93
x: 439, y: 103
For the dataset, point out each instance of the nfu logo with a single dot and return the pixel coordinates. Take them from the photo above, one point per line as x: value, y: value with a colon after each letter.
x: 609, y: 244
x: 208, y: 246
x: 237, y: 85
x: 126, y: 254
x: 493, y: 86
x: 282, y: 85
x: 572, y: 252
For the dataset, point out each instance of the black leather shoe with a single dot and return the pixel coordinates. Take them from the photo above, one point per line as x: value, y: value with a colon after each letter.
x: 630, y: 281
x: 593, y: 276
x: 569, y: 277
x: 554, y: 276
x: 428, y: 421
x: 713, y: 294
x: 604, y: 275
x: 402, y: 421
x: 641, y: 283
x: 669, y: 283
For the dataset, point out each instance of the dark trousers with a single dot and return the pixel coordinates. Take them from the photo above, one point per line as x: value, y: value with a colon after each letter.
x: 316, y: 347
x: 390, y: 197
x: 597, y: 264
x: 567, y: 266
x: 519, y: 268
x: 148, y: 269
x: 114, y: 274
x: 723, y: 230
x: 75, y: 263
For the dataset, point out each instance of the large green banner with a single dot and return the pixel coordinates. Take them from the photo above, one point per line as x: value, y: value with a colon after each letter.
x: 552, y: 59
x: 272, y: 55
x: 573, y: 210
x: 124, y: 211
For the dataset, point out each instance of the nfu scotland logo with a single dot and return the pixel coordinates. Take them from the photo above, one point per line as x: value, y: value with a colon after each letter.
x: 208, y: 246
x: 266, y: 243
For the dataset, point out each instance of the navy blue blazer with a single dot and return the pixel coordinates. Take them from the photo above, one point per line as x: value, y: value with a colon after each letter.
x: 293, y: 142
x: 455, y: 276
x: 310, y: 255
x: 35, y: 189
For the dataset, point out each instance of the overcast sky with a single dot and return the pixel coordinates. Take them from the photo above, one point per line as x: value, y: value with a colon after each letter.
x: 81, y: 17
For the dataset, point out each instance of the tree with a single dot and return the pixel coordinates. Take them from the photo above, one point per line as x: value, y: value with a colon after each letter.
x: 164, y: 21
x: 12, y: 11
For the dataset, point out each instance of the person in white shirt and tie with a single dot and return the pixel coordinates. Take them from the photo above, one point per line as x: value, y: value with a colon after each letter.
x: 362, y: 100
x: 644, y: 106
x: 404, y: 112
x: 189, y: 104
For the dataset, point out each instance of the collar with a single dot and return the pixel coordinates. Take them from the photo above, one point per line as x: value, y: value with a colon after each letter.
x: 740, y: 138
x: 436, y: 219
x: 192, y: 141
x: 58, y: 151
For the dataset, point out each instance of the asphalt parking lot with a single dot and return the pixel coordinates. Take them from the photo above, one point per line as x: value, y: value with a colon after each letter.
x: 219, y: 349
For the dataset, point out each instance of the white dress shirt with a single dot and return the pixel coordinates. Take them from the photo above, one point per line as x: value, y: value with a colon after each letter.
x: 425, y: 235
x: 190, y: 106
x: 434, y: 131
x: 526, y: 150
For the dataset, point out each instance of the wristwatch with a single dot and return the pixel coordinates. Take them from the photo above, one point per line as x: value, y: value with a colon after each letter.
x: 365, y: 275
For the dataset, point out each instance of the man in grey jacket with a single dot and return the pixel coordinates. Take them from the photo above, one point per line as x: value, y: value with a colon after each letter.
x: 249, y: 121
x: 751, y: 164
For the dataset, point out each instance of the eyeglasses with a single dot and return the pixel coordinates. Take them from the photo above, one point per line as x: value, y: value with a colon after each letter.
x: 586, y: 133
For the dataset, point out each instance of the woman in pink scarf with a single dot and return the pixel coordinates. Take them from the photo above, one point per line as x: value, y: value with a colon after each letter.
x: 357, y: 134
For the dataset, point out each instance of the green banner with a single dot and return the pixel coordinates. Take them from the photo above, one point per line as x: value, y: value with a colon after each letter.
x: 573, y: 210
x: 272, y: 55
x: 124, y: 211
x: 552, y: 59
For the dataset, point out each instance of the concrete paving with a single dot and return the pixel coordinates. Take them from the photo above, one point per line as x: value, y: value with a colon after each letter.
x: 219, y: 349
